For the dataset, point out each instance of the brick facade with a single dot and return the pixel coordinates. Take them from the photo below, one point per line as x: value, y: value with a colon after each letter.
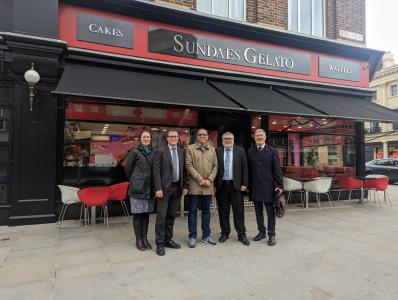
x: 347, y: 15
x: 191, y: 4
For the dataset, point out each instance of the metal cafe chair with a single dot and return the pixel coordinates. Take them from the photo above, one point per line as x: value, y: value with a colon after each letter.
x: 378, y: 184
x: 348, y: 183
x: 319, y: 186
x: 293, y: 186
x: 118, y: 193
x: 69, y: 196
x: 94, y: 196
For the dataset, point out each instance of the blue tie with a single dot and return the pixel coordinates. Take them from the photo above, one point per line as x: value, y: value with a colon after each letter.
x: 227, y: 164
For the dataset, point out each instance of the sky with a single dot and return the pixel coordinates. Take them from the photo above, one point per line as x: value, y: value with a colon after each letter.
x: 382, y: 25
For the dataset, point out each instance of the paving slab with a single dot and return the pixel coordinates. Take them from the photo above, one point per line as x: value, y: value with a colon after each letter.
x: 350, y: 252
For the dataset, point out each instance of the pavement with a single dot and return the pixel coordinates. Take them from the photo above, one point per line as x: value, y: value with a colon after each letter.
x: 348, y: 253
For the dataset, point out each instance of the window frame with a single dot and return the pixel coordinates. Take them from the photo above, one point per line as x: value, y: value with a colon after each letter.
x: 229, y: 10
x: 395, y: 86
x: 312, y: 18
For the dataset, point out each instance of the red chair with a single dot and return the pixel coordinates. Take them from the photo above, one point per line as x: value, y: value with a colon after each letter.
x: 94, y: 196
x: 118, y: 192
x: 347, y: 183
x: 379, y: 184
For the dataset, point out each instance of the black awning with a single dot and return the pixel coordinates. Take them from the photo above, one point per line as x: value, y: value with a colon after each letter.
x: 107, y: 83
x: 343, y: 106
x: 256, y: 98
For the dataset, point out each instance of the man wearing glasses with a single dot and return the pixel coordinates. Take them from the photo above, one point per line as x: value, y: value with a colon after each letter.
x: 201, y: 161
x: 169, y: 177
x: 232, y: 180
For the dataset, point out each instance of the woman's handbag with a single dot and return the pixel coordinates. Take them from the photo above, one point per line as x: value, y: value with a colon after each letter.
x: 280, y: 205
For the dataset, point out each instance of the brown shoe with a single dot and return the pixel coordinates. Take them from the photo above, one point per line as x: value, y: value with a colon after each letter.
x: 260, y: 236
x: 271, y: 241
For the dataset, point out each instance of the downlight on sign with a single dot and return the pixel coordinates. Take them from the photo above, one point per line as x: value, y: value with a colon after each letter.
x: 200, y: 47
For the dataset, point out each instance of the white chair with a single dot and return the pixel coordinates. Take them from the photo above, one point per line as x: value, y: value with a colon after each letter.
x: 318, y: 186
x: 293, y: 186
x: 68, y: 197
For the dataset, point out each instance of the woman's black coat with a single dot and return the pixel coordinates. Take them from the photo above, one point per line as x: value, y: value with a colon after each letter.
x: 138, y: 171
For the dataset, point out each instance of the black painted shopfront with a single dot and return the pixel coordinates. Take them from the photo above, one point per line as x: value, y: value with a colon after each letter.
x: 92, y: 100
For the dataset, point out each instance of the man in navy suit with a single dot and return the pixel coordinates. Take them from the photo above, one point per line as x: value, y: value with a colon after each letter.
x: 169, y: 178
x: 231, y: 181
x: 266, y: 180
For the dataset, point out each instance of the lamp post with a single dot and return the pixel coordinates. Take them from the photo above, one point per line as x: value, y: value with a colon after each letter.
x: 32, y: 78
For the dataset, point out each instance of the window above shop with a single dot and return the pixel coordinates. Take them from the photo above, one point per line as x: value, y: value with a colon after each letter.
x: 307, y: 16
x: 374, y: 97
x: 394, y: 90
x: 234, y: 9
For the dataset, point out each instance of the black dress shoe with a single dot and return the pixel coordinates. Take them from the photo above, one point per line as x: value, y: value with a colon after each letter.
x: 172, y: 244
x: 243, y: 239
x: 259, y: 236
x: 223, y: 238
x: 271, y: 241
x: 160, y: 251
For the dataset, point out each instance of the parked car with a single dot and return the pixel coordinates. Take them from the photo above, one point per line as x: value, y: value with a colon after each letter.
x: 386, y: 166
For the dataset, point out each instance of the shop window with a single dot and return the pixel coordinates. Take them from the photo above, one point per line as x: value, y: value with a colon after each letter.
x: 234, y: 9
x: 311, y: 147
x: 394, y: 90
x: 393, y: 151
x: 98, y: 137
x: 379, y: 152
x: 307, y: 16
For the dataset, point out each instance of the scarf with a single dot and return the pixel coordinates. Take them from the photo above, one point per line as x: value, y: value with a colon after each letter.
x: 147, y: 149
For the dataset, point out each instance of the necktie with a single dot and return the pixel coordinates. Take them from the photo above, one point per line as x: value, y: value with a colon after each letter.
x: 259, y: 148
x: 174, y: 159
x: 227, y: 163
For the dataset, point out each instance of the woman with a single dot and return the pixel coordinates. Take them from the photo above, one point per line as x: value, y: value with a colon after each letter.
x: 138, y: 170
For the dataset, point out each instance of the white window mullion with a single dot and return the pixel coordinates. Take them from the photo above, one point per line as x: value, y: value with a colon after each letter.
x: 298, y: 15
x: 312, y: 17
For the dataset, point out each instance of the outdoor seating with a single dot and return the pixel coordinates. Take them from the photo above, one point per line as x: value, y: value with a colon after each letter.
x: 118, y: 193
x: 377, y: 184
x: 348, y: 183
x: 291, y: 186
x: 319, y: 186
x: 69, y: 196
x: 94, y: 196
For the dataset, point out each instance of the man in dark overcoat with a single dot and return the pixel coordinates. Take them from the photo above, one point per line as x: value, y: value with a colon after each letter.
x: 169, y: 178
x: 231, y: 181
x: 266, y: 180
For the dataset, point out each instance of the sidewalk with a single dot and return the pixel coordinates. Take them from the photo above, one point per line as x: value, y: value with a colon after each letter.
x: 348, y: 253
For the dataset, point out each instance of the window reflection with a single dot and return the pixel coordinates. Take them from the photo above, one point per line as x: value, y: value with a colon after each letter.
x: 310, y: 147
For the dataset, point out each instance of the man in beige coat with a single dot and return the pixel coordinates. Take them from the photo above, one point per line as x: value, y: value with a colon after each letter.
x: 202, y: 165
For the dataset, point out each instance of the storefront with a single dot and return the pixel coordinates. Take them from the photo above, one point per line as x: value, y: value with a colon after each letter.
x: 126, y: 68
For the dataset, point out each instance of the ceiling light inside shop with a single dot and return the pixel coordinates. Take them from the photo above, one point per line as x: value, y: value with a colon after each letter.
x: 325, y: 122
x: 186, y: 131
x: 274, y: 122
x: 253, y: 127
x: 154, y: 129
x: 299, y: 127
